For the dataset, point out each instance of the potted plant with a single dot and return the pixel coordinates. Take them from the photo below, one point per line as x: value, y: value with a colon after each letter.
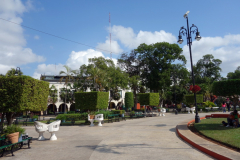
x: 34, y: 118
x: 179, y: 107
x: 132, y: 113
x: 92, y: 115
x: 12, y: 132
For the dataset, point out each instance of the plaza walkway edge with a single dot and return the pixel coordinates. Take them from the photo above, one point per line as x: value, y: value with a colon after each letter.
x: 212, y: 149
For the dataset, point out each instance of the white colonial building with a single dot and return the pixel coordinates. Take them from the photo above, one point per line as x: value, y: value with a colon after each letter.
x: 59, y: 105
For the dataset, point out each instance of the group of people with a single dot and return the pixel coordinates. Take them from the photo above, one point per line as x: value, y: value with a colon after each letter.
x: 227, y: 105
x: 232, y: 120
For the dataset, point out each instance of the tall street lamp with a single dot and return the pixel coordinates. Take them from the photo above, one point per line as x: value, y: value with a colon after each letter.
x: 193, y: 29
x: 17, y: 71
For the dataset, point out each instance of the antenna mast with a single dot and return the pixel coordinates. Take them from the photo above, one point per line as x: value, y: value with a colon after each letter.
x: 110, y: 30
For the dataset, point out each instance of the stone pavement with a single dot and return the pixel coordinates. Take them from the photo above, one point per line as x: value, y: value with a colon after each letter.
x: 144, y: 138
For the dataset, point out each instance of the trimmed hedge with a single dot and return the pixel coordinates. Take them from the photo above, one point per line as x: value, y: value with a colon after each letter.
x: 118, y: 111
x: 23, y: 93
x: 76, y: 117
x: 129, y: 101
x: 151, y: 99
x: 190, y: 98
x: 91, y: 100
x: 226, y: 88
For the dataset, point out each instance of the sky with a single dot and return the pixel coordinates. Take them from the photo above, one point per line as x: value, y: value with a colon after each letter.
x: 69, y: 32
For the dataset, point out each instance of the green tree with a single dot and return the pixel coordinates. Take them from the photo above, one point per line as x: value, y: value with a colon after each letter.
x: 235, y: 74
x: 69, y: 77
x: 155, y: 63
x: 207, y: 68
x: 53, y: 94
x: 228, y: 88
x: 22, y: 93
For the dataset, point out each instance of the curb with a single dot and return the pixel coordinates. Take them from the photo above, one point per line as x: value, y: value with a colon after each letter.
x: 210, y: 153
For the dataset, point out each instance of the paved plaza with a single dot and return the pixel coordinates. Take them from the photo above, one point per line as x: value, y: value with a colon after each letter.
x: 145, y: 138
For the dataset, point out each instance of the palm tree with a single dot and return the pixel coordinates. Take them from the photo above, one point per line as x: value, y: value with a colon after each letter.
x: 68, y: 77
x: 53, y: 95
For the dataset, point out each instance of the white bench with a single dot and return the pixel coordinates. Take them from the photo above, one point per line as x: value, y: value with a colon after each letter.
x: 52, y: 128
x: 162, y: 111
x: 90, y: 120
x: 99, y: 118
x: 40, y: 128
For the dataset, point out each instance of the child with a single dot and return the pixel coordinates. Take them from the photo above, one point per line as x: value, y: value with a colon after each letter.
x: 224, y: 106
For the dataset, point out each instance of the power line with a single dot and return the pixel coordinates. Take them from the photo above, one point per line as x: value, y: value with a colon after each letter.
x: 55, y: 35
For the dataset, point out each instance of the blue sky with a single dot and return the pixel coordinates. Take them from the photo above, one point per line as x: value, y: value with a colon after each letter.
x: 132, y: 22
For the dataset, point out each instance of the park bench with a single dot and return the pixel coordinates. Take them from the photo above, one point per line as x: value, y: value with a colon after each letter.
x: 112, y: 117
x: 51, y: 119
x: 123, y: 118
x: 69, y: 121
x: 7, y: 145
x: 139, y: 114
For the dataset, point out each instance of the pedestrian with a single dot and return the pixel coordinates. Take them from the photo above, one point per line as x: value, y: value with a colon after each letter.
x: 224, y: 106
x: 228, y: 104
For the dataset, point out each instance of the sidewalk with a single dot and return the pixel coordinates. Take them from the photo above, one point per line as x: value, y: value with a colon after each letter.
x: 145, y: 138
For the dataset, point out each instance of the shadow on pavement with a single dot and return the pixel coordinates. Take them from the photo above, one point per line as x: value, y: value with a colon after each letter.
x: 110, y: 148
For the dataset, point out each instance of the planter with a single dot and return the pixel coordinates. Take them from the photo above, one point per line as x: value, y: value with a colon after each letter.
x: 13, y: 137
x: 92, y: 116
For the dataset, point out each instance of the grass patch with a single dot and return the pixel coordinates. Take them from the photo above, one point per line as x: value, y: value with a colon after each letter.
x: 213, y: 128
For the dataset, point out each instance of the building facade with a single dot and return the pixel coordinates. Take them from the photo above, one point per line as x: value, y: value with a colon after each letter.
x: 60, y: 106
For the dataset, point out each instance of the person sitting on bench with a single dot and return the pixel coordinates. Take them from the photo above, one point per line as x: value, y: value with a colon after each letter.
x: 235, y: 118
x: 229, y: 120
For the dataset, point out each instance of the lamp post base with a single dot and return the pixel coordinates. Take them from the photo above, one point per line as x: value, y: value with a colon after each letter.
x: 197, y: 119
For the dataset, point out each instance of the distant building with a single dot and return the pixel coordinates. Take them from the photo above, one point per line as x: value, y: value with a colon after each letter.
x: 59, y: 105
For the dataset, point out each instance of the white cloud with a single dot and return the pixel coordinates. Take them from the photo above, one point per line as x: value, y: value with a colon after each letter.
x: 226, y: 49
x: 12, y: 46
x: 75, y: 60
x: 36, y: 37
x: 131, y: 40
x: 114, y: 48
x: 50, y: 69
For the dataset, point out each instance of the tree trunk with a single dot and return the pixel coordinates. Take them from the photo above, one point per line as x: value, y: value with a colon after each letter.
x: 9, y: 117
x: 135, y: 98
x: 2, y: 122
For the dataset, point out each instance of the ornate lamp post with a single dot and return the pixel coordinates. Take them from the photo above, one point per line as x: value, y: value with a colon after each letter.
x: 193, y: 29
x: 17, y: 71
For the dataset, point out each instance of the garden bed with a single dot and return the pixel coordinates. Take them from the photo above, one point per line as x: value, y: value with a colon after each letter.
x: 212, y: 130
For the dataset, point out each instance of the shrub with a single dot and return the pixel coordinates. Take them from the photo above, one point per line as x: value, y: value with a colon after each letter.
x: 129, y: 102
x: 190, y: 98
x: 209, y: 104
x: 35, y: 117
x: 76, y: 116
x: 91, y: 100
x: 71, y: 112
x: 132, y: 113
x: 151, y: 99
x: 118, y: 111
x: 105, y: 113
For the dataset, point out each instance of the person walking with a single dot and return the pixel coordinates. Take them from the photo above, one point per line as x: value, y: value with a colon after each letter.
x: 224, y: 106
x: 228, y: 104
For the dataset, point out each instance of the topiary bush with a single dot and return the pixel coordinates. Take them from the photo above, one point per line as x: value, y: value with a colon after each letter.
x: 151, y: 99
x: 91, y: 100
x: 129, y: 101
x: 190, y: 98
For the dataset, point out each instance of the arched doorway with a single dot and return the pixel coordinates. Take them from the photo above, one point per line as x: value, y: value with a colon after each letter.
x: 63, y: 108
x: 51, y: 109
x: 72, y: 107
x: 112, y: 105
